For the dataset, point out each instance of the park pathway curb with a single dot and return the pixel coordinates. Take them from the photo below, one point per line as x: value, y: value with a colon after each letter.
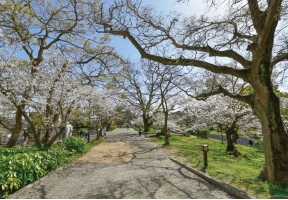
x: 225, y: 187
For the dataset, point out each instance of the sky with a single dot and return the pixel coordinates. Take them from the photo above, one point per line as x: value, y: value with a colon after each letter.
x: 193, y: 7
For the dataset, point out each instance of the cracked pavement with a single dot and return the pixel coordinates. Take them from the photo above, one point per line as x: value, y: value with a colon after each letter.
x: 124, y: 166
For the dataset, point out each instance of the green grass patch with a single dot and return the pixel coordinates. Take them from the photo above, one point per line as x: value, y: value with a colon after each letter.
x: 214, y: 132
x: 240, y: 172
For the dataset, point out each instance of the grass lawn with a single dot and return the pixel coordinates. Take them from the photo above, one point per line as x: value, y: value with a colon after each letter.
x: 216, y: 133
x: 240, y: 172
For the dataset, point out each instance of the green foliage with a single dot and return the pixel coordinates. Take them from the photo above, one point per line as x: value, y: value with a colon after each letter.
x: 111, y: 125
x: 240, y: 172
x: 76, y: 144
x: 258, y: 144
x: 21, y: 166
x: 212, y: 129
x: 199, y: 133
x: 247, y: 90
x: 79, y: 120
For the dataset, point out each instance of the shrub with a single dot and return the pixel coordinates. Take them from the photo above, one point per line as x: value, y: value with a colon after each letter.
x: 212, y: 129
x: 203, y: 134
x: 258, y: 144
x: 21, y: 166
x: 73, y: 144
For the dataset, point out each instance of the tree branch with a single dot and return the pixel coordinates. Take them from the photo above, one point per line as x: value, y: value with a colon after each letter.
x: 241, y: 73
x: 221, y: 90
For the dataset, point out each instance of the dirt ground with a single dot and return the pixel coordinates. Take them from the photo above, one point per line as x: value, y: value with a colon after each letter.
x: 118, y: 152
x: 107, y: 153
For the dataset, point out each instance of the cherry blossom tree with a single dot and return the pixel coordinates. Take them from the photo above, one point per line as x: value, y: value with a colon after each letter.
x: 101, y: 108
x: 222, y: 113
x: 141, y: 86
x: 168, y: 83
x: 47, y: 93
x: 251, y: 33
x: 31, y: 29
x: 12, y: 93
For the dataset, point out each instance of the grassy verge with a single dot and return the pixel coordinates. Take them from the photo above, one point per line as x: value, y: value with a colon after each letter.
x: 240, y: 172
x: 214, y: 132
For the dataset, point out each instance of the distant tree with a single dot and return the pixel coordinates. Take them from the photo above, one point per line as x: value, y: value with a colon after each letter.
x: 141, y: 85
x: 224, y: 114
x: 169, y: 82
x: 101, y: 108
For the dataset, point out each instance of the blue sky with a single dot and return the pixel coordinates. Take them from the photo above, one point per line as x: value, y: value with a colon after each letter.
x: 193, y: 7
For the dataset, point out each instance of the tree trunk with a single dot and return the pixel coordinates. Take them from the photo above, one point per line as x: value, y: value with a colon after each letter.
x: 146, y: 122
x: 99, y: 133
x: 26, y: 138
x: 55, y: 137
x: 46, y: 136
x: 230, y: 145
x: 14, y: 137
x: 231, y: 134
x: 167, y: 142
x: 16, y: 130
x: 275, y: 139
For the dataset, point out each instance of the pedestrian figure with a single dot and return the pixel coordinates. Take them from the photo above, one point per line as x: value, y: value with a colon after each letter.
x: 139, y: 131
x: 250, y: 143
x: 81, y: 133
x: 88, y: 137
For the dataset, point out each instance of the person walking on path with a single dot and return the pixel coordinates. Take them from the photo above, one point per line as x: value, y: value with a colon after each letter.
x: 139, y: 131
x: 251, y: 143
x: 81, y: 133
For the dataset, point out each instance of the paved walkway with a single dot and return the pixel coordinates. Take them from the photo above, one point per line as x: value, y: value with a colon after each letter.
x: 124, y: 166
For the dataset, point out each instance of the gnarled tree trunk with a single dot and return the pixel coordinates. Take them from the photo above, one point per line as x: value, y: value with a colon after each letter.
x: 229, y: 133
x: 146, y: 121
x: 275, y: 139
x: 167, y: 142
x: 16, y: 130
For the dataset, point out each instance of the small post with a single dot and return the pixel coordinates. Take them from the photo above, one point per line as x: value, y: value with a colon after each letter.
x: 205, y: 149
x: 88, y: 137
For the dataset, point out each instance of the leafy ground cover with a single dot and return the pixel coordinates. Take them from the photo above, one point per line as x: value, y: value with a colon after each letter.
x: 240, y: 172
x: 23, y: 165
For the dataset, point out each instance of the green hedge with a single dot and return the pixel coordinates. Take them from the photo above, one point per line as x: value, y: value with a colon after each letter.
x: 75, y: 144
x: 21, y: 166
x: 203, y: 134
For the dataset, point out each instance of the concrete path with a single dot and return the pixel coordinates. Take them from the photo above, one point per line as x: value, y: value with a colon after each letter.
x: 124, y: 166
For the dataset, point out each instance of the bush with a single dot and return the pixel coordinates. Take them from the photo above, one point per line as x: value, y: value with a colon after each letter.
x: 203, y: 134
x: 21, y: 166
x: 258, y: 144
x: 212, y: 129
x: 73, y: 144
